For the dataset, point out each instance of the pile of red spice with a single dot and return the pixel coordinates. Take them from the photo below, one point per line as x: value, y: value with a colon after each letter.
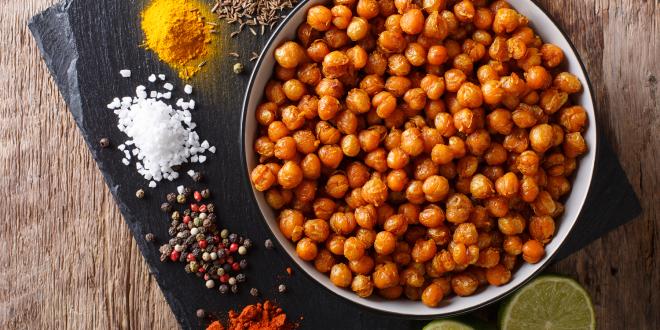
x: 265, y: 316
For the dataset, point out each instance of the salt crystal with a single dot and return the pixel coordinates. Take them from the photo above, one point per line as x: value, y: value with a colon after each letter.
x: 159, y: 136
x: 152, y: 184
x: 168, y: 86
x: 180, y: 189
x: 188, y: 89
x: 212, y: 149
x: 125, y: 161
x: 125, y: 73
x: 192, y: 104
x: 152, y: 78
x: 161, y: 76
x: 191, y: 173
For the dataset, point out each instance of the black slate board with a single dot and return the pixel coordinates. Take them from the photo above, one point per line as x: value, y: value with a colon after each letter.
x: 86, y: 43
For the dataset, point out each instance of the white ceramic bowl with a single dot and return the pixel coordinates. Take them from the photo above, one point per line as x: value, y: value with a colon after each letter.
x: 549, y: 31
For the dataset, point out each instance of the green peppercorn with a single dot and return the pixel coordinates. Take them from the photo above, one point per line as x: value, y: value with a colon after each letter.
x: 224, y: 233
x: 181, y: 199
x: 238, y: 68
x: 198, y: 222
x: 166, y: 207
x: 197, y: 177
x: 176, y: 215
x: 194, y: 267
x: 139, y: 193
x: 206, y: 193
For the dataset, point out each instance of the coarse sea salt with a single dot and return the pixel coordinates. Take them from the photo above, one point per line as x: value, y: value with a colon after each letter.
x: 125, y: 73
x: 160, y: 136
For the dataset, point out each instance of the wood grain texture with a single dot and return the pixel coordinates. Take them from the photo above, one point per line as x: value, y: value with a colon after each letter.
x: 69, y: 260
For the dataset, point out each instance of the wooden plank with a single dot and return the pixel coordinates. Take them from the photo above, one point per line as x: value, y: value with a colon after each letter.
x: 60, y: 270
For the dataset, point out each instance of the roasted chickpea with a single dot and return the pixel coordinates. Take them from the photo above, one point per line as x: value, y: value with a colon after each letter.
x: 538, y: 77
x: 331, y: 87
x: 262, y: 178
x: 377, y: 160
x: 306, y: 249
x: 275, y: 93
x: 552, y: 55
x: 311, y: 167
x: 386, y: 275
x: 392, y: 42
x: 498, y: 275
x: 341, y: 16
x: 385, y: 243
x: 289, y: 220
x: 319, y: 18
x: 335, y: 244
x: 416, y: 54
x: 507, y: 20
x: 353, y: 249
x: 432, y: 295
x: 367, y: 9
x: 464, y: 284
x: 459, y: 208
x: 374, y: 191
x: 481, y: 187
x: 541, y: 137
x: 533, y: 251
x: 385, y: 104
x: 541, y: 228
x: 573, y: 119
x: 357, y: 29
x: 412, y: 21
x: 397, y: 224
x: 362, y: 286
x: 342, y: 223
x: 511, y: 224
x: 507, y: 185
x: 266, y: 113
x: 363, y: 265
x: 568, y: 83
x: 331, y: 155
x: 350, y: 145
x: 290, y: 175
x: 340, y: 275
x: 309, y: 106
x: 290, y: 54
x: 324, y: 261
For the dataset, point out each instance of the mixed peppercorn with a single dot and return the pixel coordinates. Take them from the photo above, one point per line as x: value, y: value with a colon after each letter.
x: 214, y: 254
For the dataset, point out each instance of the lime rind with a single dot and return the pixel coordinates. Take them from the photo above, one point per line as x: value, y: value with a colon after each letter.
x: 447, y: 324
x: 548, y: 302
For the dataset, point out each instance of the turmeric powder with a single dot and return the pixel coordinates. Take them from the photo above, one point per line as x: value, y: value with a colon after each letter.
x: 177, y: 31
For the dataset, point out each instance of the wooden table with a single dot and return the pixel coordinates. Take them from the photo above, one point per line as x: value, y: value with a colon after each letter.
x: 69, y: 261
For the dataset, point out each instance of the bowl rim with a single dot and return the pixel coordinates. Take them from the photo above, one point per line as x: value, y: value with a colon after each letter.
x: 253, y: 199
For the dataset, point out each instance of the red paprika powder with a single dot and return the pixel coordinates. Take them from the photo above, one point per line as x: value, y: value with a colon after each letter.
x: 264, y: 316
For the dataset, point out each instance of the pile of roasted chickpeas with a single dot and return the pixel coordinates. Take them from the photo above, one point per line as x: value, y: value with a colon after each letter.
x: 418, y: 148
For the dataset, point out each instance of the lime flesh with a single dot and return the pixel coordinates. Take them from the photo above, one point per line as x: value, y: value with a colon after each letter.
x: 447, y: 325
x: 548, y: 302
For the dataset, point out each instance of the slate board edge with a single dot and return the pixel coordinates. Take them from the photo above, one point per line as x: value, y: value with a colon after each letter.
x: 65, y: 76
x: 56, y: 19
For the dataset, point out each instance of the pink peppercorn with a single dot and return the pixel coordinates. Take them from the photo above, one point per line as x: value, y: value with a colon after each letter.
x: 197, y: 196
x: 233, y: 247
x: 190, y: 257
x: 174, y: 256
x: 236, y: 266
x: 194, y: 207
x: 203, y: 208
x: 202, y: 244
x: 224, y: 278
x: 186, y: 219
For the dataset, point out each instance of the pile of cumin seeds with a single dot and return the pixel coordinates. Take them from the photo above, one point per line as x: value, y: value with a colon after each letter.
x: 255, y: 15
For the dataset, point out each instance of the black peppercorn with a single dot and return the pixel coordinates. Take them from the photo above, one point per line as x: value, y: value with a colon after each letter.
x: 139, y: 193
x: 254, y: 292
x: 243, y: 263
x: 234, y: 288
x: 211, y: 208
x: 166, y: 207
x: 240, y: 240
x: 197, y: 177
x: 240, y: 278
x: 200, y: 313
x: 268, y: 244
x: 226, y: 267
x: 221, y: 253
x: 171, y: 197
x: 104, y: 142
x: 233, y: 238
x: 223, y: 288
x: 197, y: 253
x: 172, y: 231
x: 150, y: 237
x: 247, y: 243
x: 187, y: 191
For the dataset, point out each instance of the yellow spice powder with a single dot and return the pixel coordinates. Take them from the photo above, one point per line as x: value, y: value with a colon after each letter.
x: 177, y: 31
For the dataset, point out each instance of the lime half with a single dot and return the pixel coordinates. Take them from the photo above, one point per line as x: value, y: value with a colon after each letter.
x: 548, y: 302
x: 447, y: 325
x: 459, y: 323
